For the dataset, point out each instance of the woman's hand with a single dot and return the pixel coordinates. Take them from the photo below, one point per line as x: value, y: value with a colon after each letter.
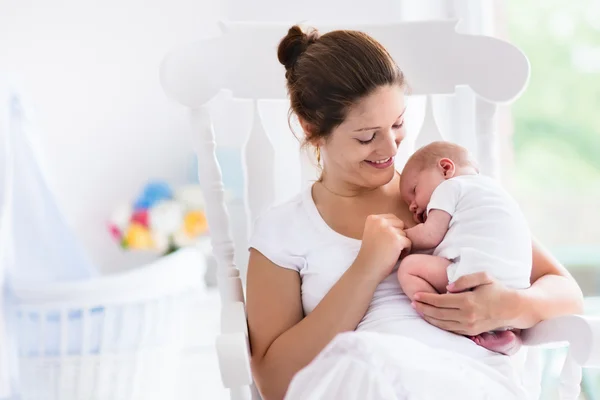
x: 382, y: 243
x: 475, y: 303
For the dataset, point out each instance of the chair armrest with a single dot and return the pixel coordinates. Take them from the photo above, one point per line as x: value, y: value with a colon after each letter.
x: 581, y: 332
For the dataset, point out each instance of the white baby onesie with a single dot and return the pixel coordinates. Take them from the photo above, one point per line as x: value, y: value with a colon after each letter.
x: 487, y: 231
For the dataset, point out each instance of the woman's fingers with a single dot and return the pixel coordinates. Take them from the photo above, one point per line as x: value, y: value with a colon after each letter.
x: 447, y: 300
x: 469, y: 282
x: 469, y: 312
x: 451, y: 326
x: 463, y: 320
x: 401, y: 232
x: 396, y: 222
x: 405, y: 243
x: 446, y: 314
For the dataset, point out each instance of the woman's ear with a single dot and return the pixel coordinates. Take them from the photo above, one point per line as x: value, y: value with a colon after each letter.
x: 448, y: 167
x: 307, y: 128
x: 309, y: 133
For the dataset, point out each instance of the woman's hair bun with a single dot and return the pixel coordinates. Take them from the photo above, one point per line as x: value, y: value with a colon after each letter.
x: 294, y: 44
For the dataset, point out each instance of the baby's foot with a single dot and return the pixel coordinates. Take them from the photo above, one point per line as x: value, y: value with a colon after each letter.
x: 504, y: 342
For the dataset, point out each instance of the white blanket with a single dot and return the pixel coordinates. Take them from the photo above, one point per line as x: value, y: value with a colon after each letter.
x: 376, y: 366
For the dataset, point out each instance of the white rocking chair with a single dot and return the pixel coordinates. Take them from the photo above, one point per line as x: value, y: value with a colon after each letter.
x: 435, y: 59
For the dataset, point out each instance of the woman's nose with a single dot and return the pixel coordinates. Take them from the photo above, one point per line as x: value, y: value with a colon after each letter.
x: 392, y: 141
x: 398, y: 136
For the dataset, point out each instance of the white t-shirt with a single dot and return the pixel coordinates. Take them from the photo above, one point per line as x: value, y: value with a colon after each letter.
x: 487, y: 232
x: 293, y: 235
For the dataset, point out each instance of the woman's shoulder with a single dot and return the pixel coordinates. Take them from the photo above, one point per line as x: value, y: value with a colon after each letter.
x: 283, y: 217
x: 282, y: 232
x: 283, y: 210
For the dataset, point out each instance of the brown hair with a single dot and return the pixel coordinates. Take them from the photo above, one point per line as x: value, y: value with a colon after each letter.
x: 328, y: 74
x: 429, y: 155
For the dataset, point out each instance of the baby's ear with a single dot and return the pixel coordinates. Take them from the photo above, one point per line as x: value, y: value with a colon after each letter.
x: 448, y: 168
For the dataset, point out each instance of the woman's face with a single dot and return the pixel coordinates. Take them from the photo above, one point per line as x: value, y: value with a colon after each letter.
x: 361, y: 150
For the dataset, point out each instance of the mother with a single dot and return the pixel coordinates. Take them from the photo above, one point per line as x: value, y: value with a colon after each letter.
x: 322, y: 262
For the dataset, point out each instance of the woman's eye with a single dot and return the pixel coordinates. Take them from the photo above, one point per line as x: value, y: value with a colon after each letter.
x: 367, y: 141
x: 398, y: 126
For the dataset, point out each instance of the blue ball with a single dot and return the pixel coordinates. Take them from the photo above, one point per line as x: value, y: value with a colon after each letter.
x: 153, y: 193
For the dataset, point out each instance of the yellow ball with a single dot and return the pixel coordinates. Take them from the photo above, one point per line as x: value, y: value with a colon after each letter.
x: 138, y: 237
x: 195, y: 224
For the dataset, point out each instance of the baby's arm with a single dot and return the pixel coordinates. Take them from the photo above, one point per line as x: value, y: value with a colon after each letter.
x: 430, y: 233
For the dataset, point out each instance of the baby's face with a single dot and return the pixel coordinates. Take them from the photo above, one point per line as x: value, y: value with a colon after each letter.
x: 416, y: 188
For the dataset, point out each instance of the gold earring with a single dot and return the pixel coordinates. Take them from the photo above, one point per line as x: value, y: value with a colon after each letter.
x: 318, y: 155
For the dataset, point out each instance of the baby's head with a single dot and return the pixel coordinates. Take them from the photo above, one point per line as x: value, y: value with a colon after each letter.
x: 427, y: 168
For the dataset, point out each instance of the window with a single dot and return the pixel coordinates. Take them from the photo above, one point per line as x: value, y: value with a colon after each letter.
x: 556, y: 135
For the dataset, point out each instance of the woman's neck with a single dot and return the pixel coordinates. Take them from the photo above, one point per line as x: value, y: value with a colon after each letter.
x: 344, y: 189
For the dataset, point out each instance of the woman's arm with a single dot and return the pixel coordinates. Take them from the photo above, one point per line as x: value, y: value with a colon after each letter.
x: 480, y: 303
x: 282, y: 340
x: 554, y: 292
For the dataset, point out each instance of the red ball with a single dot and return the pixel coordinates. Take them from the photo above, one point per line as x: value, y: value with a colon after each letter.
x: 141, y: 217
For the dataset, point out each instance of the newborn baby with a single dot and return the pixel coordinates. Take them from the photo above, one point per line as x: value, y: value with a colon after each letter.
x: 471, y: 224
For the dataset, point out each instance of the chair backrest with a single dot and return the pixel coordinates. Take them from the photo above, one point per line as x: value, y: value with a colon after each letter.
x: 234, y: 87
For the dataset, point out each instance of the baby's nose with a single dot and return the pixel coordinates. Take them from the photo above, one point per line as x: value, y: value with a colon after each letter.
x: 413, y: 207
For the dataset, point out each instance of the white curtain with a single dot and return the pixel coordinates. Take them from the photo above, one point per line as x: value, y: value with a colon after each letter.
x: 38, y: 245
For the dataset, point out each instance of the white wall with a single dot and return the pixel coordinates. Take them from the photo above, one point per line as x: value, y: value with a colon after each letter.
x: 316, y: 10
x: 90, y: 69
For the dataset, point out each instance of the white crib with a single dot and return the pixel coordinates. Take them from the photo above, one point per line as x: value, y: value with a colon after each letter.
x: 242, y: 60
x: 110, y: 338
x: 75, y: 335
